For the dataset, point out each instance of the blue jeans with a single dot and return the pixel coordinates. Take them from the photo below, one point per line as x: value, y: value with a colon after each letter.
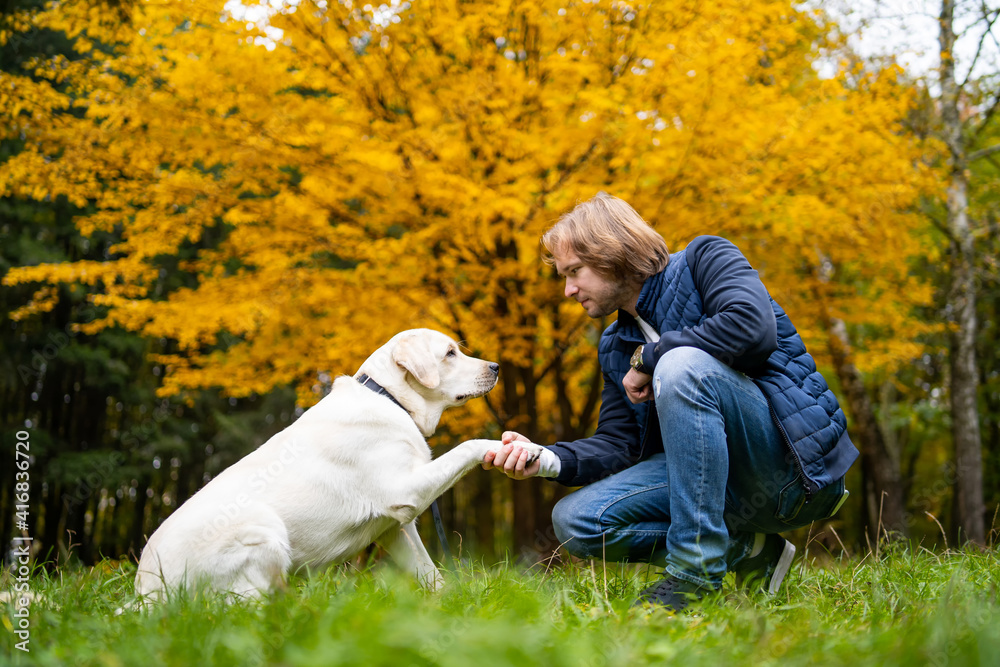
x: 725, y: 474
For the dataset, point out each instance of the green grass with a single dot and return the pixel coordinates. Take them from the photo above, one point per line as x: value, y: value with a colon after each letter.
x: 906, y: 607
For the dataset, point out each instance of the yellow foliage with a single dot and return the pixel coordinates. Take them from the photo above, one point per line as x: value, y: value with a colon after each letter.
x: 363, y: 176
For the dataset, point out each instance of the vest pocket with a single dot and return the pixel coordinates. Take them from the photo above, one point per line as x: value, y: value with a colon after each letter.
x: 824, y: 504
x: 790, y: 501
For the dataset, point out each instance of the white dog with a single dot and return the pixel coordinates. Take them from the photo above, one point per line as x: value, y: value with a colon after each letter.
x: 352, y: 470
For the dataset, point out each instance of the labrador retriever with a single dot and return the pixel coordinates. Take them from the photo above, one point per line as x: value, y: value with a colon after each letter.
x: 352, y: 470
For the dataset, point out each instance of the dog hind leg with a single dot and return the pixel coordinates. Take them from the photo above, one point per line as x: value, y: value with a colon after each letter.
x: 246, y: 558
x: 256, y: 562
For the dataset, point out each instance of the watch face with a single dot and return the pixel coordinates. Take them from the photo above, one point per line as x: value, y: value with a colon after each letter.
x: 637, y: 358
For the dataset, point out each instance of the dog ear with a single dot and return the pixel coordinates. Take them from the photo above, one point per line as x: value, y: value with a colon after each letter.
x: 414, y: 354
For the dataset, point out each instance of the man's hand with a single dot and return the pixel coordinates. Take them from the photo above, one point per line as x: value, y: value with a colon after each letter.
x: 513, y: 460
x: 638, y: 386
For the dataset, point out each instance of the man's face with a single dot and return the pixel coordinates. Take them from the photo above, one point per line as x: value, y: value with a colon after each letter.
x: 598, y: 294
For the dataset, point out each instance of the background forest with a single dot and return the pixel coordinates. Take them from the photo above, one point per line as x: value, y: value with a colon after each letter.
x: 207, y: 212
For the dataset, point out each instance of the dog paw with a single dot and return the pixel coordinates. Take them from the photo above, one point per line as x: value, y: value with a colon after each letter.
x: 484, y: 446
x: 534, y: 451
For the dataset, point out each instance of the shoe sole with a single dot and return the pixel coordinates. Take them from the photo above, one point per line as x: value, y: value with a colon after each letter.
x: 782, y: 568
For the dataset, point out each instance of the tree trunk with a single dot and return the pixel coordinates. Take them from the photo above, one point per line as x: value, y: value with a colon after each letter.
x: 968, y: 488
x: 116, y: 548
x: 885, y: 505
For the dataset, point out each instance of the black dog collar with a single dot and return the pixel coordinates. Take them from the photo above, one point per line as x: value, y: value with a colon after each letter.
x: 378, y: 389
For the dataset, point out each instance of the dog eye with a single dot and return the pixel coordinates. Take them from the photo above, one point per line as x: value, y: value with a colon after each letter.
x: 450, y: 353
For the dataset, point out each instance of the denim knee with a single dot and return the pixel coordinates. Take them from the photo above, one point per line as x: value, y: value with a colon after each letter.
x: 679, y: 366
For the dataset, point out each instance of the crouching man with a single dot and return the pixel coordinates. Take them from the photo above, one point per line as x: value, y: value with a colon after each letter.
x: 716, y: 432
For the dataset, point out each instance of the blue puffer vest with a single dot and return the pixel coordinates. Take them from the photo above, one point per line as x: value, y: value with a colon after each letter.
x: 802, y: 405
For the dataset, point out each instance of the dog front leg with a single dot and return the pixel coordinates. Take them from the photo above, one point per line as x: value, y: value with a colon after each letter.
x: 417, y: 491
x: 406, y: 548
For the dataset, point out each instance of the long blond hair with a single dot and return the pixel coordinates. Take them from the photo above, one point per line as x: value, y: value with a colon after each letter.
x: 607, y: 235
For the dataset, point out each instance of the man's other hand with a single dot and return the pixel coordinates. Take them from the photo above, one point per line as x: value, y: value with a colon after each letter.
x: 638, y: 386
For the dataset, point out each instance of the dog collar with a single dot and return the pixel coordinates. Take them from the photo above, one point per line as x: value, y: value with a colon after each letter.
x: 365, y: 380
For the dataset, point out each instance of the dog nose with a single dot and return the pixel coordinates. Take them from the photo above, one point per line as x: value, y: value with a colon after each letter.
x: 495, y: 368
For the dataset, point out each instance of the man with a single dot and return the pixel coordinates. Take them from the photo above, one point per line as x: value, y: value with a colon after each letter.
x: 715, y: 433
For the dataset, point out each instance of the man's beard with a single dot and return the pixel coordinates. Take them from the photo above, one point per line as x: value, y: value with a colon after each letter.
x: 610, y: 300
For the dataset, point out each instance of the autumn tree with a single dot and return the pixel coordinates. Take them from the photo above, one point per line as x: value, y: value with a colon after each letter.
x: 961, y: 143
x: 984, y: 198
x: 110, y: 459
x: 347, y: 172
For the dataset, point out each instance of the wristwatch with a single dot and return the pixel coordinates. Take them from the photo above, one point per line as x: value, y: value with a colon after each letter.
x: 636, y: 361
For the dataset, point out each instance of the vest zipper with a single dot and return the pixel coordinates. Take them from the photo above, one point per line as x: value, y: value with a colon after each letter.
x: 645, y: 432
x: 795, y: 456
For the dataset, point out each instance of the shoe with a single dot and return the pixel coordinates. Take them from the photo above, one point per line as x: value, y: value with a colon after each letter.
x: 769, y: 566
x: 670, y: 593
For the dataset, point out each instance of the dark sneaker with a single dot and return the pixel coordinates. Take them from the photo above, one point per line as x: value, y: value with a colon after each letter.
x: 769, y: 567
x: 671, y: 593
